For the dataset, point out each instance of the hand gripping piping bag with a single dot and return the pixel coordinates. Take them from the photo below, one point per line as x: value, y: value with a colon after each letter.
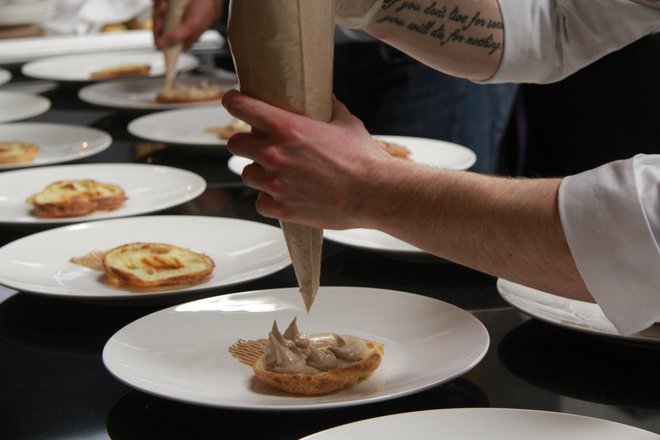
x: 283, y: 52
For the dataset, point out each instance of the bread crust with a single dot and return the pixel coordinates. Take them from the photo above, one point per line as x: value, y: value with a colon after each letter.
x: 121, y: 70
x: 326, y: 381
x: 17, y: 152
x: 128, y: 277
x: 74, y: 203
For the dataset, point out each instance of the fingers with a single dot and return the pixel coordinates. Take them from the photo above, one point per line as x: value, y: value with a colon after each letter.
x: 262, y: 116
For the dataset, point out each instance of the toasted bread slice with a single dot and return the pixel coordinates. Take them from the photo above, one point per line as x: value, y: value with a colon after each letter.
x: 227, y: 131
x: 121, y: 70
x: 323, y: 382
x: 17, y: 152
x: 181, y: 92
x: 148, y: 265
x: 73, y: 198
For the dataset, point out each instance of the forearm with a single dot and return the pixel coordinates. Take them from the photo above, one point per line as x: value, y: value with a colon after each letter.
x: 535, y: 41
x: 459, y: 37
x: 508, y: 228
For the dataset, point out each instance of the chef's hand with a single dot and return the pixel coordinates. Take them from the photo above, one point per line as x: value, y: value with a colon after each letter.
x: 356, y: 14
x: 199, y: 16
x: 321, y: 174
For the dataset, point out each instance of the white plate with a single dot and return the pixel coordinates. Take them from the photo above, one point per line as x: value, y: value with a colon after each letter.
x: 39, y: 263
x: 484, y: 423
x: 5, y: 76
x: 25, y: 12
x: 22, y: 50
x: 78, y: 67
x: 58, y: 143
x: 181, y: 352
x: 148, y: 188
x: 576, y: 315
x: 371, y: 239
x: 18, y: 105
x: 185, y: 126
x: 138, y: 94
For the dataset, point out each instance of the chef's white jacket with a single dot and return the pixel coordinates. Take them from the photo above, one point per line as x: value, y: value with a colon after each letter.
x: 610, y: 215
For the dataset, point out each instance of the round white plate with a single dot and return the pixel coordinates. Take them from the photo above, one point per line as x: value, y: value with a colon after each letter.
x: 139, y: 94
x: 58, y: 143
x: 185, y: 126
x: 148, y: 188
x: 39, y: 263
x: 572, y: 314
x: 18, y: 105
x: 78, y: 67
x: 181, y: 352
x: 25, y: 12
x: 484, y: 423
x: 5, y: 76
x: 371, y: 239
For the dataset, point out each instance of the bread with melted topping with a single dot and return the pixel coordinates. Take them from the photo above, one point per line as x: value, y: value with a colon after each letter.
x: 17, y: 152
x: 149, y: 265
x: 121, y: 70
x: 73, y: 198
x: 323, y: 382
x: 181, y: 93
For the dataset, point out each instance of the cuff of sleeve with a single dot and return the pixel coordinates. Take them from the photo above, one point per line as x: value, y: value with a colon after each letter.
x: 528, y: 25
x: 612, y: 244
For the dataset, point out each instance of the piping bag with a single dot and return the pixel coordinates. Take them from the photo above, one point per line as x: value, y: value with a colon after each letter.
x: 283, y: 52
x: 173, y: 17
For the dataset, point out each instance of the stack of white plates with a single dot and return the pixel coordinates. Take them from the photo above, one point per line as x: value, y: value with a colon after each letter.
x: 17, y: 12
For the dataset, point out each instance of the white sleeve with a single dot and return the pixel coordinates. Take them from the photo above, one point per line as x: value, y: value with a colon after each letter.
x: 611, y: 219
x: 547, y: 40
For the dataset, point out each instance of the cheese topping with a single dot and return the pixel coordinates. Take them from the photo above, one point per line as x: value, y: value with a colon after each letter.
x: 296, y: 353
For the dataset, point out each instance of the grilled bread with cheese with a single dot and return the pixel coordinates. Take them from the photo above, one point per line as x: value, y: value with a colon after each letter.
x: 227, y: 131
x: 17, y: 152
x: 121, y: 70
x: 323, y: 382
x: 149, y: 265
x: 309, y: 365
x: 73, y: 198
x: 181, y: 92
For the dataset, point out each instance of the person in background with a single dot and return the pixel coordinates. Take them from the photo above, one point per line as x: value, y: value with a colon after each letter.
x: 590, y: 236
x: 392, y: 93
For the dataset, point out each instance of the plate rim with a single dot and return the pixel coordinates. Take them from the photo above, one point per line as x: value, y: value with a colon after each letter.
x: 41, y: 105
x: 5, y: 76
x: 134, y: 295
x: 27, y: 69
x: 104, y: 136
x: 90, y: 94
x: 111, y: 214
x: 189, y: 109
x: 478, y: 327
x: 507, y: 288
x: 408, y: 416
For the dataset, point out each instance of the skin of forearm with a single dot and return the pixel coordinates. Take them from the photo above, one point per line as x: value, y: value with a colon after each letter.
x: 505, y: 227
x: 463, y: 38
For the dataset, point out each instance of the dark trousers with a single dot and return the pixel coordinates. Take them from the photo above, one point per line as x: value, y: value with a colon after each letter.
x: 394, y: 94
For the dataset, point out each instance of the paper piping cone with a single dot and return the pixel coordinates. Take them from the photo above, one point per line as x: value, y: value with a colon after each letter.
x: 173, y: 17
x: 283, y: 53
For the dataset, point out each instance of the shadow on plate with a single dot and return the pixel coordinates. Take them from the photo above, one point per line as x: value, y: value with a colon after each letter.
x: 138, y: 415
x: 583, y: 366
